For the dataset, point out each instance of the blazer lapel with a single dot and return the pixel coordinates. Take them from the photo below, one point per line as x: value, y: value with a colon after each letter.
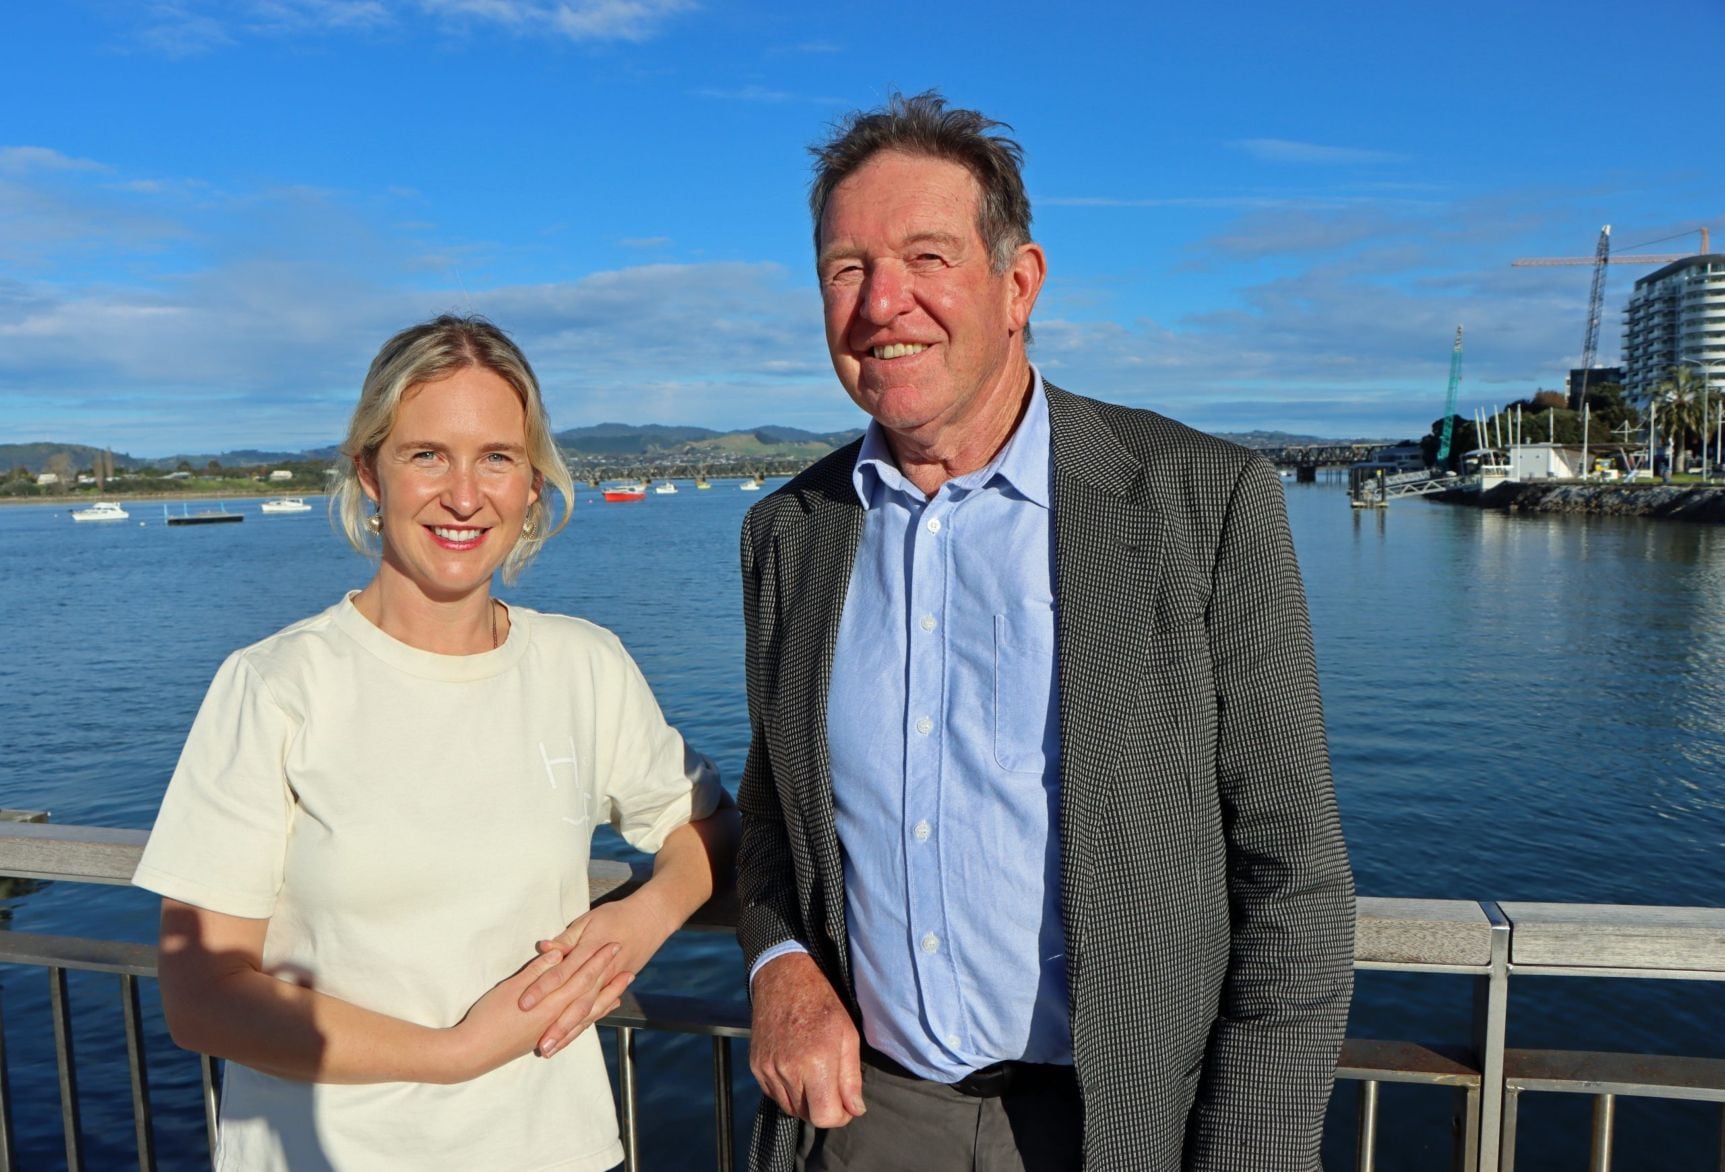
x: 1107, y: 549
x: 818, y: 578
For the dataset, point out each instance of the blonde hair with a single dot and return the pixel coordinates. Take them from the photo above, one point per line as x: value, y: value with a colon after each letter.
x: 425, y: 353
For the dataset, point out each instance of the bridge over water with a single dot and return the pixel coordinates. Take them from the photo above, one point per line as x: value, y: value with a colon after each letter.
x: 1322, y: 455
x: 1306, y: 458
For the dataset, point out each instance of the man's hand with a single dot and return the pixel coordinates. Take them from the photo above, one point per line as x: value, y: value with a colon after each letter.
x: 805, y: 1051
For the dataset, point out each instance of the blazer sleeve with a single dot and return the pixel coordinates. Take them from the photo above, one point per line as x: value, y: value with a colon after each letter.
x: 1272, y: 1053
x: 768, y: 911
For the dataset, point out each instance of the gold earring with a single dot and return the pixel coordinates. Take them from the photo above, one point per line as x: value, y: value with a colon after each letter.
x: 375, y: 522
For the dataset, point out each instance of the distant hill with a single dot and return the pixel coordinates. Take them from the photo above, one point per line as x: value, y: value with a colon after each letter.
x: 1272, y: 439
x: 35, y: 456
x: 648, y: 441
x: 653, y: 439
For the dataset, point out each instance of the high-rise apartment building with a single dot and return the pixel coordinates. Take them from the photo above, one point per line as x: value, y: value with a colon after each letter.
x: 1676, y: 317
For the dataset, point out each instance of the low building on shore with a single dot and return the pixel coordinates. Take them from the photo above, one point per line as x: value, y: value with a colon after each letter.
x: 1546, y: 462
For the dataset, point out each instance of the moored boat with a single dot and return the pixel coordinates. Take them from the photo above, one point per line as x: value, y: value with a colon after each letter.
x: 665, y: 488
x: 285, y: 504
x: 101, y: 511
x: 631, y: 490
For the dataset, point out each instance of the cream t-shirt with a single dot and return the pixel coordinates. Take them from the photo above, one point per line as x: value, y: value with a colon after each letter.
x: 410, y: 823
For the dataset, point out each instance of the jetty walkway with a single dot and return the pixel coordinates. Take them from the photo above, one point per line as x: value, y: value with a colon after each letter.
x: 1487, y: 949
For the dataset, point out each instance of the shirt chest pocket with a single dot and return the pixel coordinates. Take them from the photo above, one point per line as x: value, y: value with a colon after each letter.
x: 1025, y: 704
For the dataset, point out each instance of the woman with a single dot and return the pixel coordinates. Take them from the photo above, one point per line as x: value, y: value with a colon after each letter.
x: 382, y: 811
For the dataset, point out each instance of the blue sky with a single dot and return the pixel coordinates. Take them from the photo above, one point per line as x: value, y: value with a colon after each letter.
x: 1258, y: 215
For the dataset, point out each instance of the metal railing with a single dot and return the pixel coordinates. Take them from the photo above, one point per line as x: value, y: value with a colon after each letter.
x: 1490, y: 945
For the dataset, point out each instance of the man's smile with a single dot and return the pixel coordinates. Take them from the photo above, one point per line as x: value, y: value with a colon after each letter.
x: 898, y: 350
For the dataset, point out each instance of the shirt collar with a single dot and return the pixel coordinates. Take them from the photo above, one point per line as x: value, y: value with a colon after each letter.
x: 1022, y: 462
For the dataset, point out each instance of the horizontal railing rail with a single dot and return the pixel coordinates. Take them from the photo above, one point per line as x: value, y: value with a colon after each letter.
x: 1487, y: 942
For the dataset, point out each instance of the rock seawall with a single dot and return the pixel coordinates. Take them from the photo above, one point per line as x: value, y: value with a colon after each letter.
x: 1683, y: 503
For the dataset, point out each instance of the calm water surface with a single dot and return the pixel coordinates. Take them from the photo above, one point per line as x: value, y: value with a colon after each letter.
x: 1519, y: 708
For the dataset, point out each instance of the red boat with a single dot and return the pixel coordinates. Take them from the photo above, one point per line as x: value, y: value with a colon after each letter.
x: 630, y: 491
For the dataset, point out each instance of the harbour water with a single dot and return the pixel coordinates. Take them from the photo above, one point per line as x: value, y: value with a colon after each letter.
x: 1526, y: 708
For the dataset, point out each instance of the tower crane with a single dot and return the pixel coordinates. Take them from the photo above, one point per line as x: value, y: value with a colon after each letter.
x: 1600, y: 258
x: 1638, y: 258
x: 1449, y: 400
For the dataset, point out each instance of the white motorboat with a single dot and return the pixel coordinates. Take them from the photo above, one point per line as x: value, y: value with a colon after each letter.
x: 664, y: 488
x: 101, y: 511
x: 285, y: 504
x: 752, y: 484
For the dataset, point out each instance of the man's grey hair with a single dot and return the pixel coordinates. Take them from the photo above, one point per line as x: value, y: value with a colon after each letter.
x: 925, y: 125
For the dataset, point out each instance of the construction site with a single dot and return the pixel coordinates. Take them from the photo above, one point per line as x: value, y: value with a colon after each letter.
x: 1673, y: 363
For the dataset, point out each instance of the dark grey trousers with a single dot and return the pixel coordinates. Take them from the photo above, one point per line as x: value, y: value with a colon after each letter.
x: 917, y: 1126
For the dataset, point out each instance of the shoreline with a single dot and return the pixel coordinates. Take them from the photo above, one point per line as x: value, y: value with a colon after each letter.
x: 1701, y: 503
x: 81, y: 500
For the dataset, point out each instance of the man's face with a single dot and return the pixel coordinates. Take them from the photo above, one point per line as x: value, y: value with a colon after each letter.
x: 919, y: 325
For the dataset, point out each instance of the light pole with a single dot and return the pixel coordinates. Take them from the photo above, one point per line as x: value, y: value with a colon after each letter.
x: 1707, y: 366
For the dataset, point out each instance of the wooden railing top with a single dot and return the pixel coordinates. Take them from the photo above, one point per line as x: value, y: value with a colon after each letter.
x: 1616, y: 936
x: 1415, y: 933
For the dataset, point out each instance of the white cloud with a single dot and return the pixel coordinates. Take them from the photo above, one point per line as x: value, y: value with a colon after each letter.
x: 248, y: 319
x: 186, y: 28
x: 19, y: 160
x: 761, y: 94
x: 1282, y: 150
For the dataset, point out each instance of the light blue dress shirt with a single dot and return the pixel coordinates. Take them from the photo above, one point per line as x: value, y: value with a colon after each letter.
x: 943, y: 718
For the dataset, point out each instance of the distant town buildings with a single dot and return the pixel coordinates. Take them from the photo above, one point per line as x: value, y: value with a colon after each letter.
x: 1598, y: 377
x: 1676, y: 317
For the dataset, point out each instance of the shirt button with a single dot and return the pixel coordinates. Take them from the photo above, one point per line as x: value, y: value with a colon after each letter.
x: 930, y: 942
x: 934, y: 524
x: 927, y: 623
x: 921, y: 830
x: 952, y: 1040
x: 924, y: 725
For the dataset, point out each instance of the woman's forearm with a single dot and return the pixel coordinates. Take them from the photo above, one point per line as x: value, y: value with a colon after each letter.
x: 695, y: 861
x: 218, y: 1000
x: 299, y: 1033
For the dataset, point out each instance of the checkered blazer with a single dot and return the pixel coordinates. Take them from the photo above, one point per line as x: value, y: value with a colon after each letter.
x: 1205, y: 888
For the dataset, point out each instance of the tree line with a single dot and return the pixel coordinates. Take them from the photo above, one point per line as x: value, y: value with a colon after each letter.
x: 1680, y: 407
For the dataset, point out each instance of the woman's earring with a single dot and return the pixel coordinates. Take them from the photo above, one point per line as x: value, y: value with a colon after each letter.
x: 527, y: 528
x: 375, y: 522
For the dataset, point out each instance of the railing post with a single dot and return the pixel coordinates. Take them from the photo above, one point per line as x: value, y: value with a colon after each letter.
x: 1465, y: 1141
x: 626, y: 1098
x: 1490, y: 1022
x: 5, y: 1102
x: 1604, y: 1120
x: 1511, y: 1113
x: 212, y: 1102
x: 1366, y: 1136
x: 722, y: 1132
x: 61, y: 1012
x: 142, y: 1127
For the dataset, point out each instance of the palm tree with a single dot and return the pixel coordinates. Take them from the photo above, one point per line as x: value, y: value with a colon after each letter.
x: 1680, y: 399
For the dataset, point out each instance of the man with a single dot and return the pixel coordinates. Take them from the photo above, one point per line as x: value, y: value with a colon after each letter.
x: 1040, y: 863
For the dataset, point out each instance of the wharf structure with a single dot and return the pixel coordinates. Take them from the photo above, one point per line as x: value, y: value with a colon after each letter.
x: 1489, y: 949
x: 1676, y: 317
